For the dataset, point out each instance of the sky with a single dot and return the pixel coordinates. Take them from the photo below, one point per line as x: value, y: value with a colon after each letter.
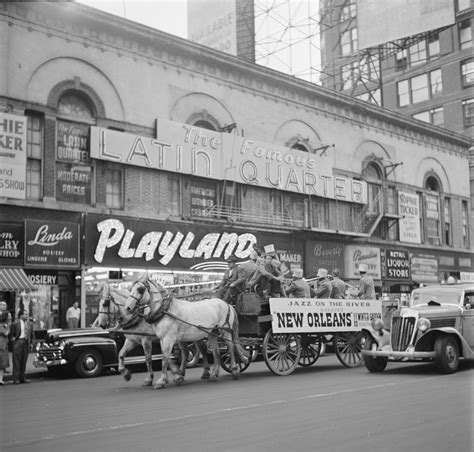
x: 166, y: 15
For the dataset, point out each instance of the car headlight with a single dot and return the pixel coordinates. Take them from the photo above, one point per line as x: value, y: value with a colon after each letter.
x: 423, y: 324
x: 60, y: 344
x: 377, y: 324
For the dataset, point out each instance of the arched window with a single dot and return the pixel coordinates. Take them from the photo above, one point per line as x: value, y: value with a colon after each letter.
x: 76, y: 105
x: 373, y: 175
x: 203, y: 124
x: 432, y: 211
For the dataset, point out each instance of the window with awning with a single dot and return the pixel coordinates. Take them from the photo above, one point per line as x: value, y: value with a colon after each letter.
x: 12, y: 279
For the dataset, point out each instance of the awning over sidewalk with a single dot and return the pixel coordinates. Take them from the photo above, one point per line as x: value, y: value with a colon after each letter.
x: 12, y: 279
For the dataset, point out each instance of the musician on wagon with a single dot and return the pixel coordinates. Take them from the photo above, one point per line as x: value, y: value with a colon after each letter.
x: 299, y: 288
x: 324, y: 288
x: 231, y: 285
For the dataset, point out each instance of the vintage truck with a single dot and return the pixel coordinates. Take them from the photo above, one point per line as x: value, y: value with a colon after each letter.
x: 436, y: 325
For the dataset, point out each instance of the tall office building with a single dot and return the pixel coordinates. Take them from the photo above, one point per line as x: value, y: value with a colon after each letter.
x: 413, y: 57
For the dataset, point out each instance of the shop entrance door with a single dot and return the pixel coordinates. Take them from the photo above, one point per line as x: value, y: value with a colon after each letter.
x: 65, y: 300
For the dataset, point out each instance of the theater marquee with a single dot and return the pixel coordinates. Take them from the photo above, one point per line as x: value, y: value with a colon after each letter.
x: 186, y: 149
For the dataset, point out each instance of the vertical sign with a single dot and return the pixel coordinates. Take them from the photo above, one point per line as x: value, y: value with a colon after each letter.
x: 13, y: 156
x: 432, y: 218
x: 52, y: 244
x: 409, y: 208
x: 73, y: 167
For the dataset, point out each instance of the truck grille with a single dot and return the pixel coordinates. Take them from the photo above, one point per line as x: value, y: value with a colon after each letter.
x: 49, y: 353
x: 439, y: 323
x: 402, y: 332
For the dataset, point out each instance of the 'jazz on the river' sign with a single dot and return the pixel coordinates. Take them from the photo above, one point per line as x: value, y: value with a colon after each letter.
x: 314, y: 315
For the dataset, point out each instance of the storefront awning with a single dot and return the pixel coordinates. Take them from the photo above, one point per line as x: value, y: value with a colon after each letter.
x: 12, y: 279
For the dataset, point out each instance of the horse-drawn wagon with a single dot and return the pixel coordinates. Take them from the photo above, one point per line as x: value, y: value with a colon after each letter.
x: 291, y: 332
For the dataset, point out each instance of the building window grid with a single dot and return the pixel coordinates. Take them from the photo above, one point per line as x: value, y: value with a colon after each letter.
x: 447, y: 221
x: 349, y: 42
x: 467, y: 72
x: 34, y: 157
x: 348, y: 11
x: 465, y: 225
x: 114, y: 189
x: 417, y: 53
x: 465, y: 34
x: 419, y: 88
x: 434, y: 116
x: 174, y: 193
x: 468, y: 112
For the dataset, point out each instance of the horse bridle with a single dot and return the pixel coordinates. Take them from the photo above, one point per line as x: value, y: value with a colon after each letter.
x: 156, y: 316
x: 107, y: 301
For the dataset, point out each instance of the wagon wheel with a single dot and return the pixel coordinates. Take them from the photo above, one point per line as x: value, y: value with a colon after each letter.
x: 281, y: 352
x: 225, y: 358
x: 311, y: 346
x: 348, y: 348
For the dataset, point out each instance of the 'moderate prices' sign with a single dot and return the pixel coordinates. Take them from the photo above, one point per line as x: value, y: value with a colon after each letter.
x: 186, y: 149
x: 310, y: 315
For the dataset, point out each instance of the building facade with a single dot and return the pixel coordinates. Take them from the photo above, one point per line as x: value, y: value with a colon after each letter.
x: 428, y: 76
x: 125, y: 149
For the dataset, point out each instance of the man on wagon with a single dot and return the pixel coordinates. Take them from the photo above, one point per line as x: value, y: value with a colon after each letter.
x: 231, y: 285
x: 268, y: 277
x: 298, y: 288
x: 324, y: 288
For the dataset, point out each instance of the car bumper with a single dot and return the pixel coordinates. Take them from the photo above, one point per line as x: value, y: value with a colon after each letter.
x: 48, y: 363
x: 395, y: 355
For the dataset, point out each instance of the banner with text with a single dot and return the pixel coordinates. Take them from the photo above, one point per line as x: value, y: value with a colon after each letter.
x: 13, y: 130
x: 311, y: 315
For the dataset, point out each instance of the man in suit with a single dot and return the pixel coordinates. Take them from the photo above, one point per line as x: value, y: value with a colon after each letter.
x: 231, y: 285
x: 21, y: 337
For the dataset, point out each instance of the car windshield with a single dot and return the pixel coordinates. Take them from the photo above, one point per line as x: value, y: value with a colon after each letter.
x: 441, y: 296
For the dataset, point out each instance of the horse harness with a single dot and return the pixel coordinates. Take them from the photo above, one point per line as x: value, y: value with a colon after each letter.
x: 164, y: 310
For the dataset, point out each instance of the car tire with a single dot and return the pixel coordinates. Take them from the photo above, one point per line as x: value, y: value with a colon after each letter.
x: 373, y: 364
x: 193, y: 355
x: 447, y: 354
x: 89, y: 364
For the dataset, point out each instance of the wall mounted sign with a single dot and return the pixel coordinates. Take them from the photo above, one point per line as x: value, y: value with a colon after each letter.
x: 397, y: 265
x: 409, y: 225
x: 52, y: 244
x: 323, y: 254
x: 13, y: 130
x: 11, y: 244
x: 200, y: 152
x: 355, y: 255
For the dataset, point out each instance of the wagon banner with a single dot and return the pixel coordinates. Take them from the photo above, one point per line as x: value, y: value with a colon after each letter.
x: 311, y: 315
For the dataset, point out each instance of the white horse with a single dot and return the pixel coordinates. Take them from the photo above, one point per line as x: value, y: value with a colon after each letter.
x: 111, y: 306
x: 177, y: 320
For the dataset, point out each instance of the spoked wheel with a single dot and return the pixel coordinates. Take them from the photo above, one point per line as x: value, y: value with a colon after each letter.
x: 281, y: 352
x: 225, y: 358
x: 348, y: 348
x: 311, y: 347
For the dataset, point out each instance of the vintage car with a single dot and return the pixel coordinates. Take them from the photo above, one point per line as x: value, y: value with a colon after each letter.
x: 89, y: 351
x: 436, y: 325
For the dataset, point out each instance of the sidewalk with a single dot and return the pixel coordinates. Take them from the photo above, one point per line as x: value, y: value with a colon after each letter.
x: 31, y: 370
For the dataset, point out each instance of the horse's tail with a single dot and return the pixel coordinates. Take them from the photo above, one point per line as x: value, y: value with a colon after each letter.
x: 235, y: 338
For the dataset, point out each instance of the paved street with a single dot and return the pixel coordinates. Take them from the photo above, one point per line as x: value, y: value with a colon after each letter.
x: 326, y: 407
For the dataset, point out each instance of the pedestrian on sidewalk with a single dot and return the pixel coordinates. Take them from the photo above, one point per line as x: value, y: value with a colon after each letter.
x: 4, y: 333
x: 73, y: 315
x: 21, y: 336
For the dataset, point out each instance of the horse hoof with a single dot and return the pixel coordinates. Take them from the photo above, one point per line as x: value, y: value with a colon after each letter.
x: 205, y: 376
x: 159, y: 386
x: 178, y: 381
x: 235, y: 375
x: 147, y: 383
x: 212, y: 378
x: 127, y: 375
